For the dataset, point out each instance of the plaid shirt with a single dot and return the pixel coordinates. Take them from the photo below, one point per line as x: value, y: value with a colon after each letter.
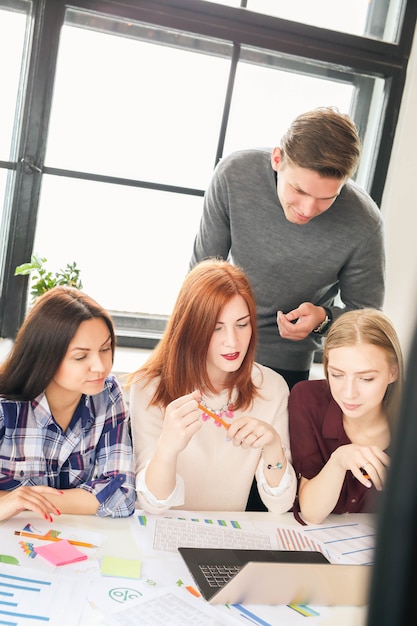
x: 94, y: 453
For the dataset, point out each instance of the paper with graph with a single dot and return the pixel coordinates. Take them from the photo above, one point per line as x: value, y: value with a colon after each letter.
x: 342, y: 542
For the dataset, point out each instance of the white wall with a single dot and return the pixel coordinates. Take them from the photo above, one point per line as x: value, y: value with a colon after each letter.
x: 399, y: 207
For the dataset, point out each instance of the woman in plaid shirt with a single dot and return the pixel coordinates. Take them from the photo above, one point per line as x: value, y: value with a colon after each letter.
x: 65, y: 445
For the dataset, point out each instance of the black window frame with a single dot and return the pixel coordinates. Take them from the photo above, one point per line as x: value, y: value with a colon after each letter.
x: 361, y: 56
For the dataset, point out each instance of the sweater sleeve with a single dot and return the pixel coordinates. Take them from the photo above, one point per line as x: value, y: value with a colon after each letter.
x: 213, y: 238
x: 362, y: 277
x: 362, y: 280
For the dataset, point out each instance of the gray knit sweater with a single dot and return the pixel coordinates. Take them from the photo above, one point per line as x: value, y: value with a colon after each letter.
x: 340, y: 251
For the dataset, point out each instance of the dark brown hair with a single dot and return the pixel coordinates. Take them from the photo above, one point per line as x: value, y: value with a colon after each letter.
x: 43, y: 340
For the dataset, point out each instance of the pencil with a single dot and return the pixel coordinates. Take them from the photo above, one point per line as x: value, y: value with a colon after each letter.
x: 214, y: 416
x: 48, y: 537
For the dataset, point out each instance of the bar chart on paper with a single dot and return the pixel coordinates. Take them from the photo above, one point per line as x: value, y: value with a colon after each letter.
x: 291, y: 539
x: 166, y: 534
x: 31, y: 598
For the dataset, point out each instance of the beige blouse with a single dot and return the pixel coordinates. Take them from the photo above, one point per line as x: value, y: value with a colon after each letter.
x: 212, y: 473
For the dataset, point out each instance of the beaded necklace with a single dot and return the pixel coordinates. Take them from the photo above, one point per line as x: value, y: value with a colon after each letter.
x: 225, y: 411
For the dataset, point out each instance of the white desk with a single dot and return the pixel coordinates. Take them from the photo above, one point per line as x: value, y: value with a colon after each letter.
x: 119, y: 541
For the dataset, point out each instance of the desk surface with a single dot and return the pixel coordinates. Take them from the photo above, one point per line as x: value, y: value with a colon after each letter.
x: 118, y: 539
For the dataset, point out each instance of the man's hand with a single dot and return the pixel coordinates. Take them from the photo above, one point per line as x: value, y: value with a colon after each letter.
x: 300, y: 322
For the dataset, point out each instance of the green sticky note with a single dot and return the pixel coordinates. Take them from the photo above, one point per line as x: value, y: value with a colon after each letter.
x: 122, y: 568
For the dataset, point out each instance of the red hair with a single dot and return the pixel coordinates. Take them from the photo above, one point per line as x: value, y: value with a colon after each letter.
x: 179, y: 359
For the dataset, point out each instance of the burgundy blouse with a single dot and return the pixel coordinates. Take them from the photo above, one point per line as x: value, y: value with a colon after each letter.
x: 316, y: 430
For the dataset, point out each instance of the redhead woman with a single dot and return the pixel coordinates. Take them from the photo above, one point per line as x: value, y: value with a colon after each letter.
x: 207, y: 419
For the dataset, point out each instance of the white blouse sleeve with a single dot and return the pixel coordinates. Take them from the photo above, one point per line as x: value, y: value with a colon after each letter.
x: 148, y: 502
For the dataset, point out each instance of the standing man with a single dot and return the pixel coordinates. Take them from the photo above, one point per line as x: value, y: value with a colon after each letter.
x: 302, y: 231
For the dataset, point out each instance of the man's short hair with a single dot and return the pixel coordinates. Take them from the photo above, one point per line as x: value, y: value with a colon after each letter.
x: 323, y: 140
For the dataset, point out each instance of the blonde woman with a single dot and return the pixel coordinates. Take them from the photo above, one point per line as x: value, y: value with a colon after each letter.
x: 341, y: 428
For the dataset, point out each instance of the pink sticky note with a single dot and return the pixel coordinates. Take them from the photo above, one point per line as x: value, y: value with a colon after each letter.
x: 60, y: 552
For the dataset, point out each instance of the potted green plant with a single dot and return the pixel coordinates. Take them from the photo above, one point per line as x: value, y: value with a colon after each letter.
x: 43, y: 279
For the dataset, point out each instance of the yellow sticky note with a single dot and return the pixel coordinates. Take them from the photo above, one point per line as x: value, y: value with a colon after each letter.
x: 122, y: 568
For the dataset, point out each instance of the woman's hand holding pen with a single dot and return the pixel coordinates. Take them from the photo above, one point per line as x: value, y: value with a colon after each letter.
x: 367, y: 463
x: 28, y: 498
x: 181, y: 421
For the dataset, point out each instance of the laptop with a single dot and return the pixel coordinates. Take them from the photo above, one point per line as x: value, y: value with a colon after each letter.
x: 234, y: 576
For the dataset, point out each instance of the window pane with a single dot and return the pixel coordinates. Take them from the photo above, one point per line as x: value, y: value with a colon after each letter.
x: 13, y: 24
x: 12, y: 39
x: 3, y: 178
x: 349, y: 17
x: 377, y: 19
x: 136, y: 109
x: 132, y: 245
x: 266, y: 100
x: 3, y: 222
x: 229, y: 3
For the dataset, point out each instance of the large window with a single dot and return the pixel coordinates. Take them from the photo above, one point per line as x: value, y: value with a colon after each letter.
x: 117, y: 118
x: 13, y: 52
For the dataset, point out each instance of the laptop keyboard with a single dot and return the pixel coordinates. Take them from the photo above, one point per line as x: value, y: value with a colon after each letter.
x: 171, y: 533
x: 218, y: 575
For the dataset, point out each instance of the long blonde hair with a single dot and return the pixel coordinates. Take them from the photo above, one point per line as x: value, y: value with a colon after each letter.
x: 372, y: 327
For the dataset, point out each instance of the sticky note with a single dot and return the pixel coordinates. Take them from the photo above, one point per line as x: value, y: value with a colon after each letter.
x: 60, y: 552
x: 119, y: 567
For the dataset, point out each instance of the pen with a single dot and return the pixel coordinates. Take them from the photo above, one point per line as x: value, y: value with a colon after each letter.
x: 214, y: 416
x: 365, y: 474
x: 49, y: 537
